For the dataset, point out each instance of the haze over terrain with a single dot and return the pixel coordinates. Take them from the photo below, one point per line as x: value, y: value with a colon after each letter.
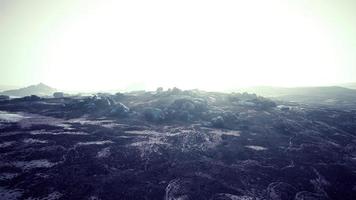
x: 109, y: 45
x: 178, y: 100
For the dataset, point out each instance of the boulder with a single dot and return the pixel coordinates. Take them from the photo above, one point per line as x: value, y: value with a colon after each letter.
x: 178, y: 189
x: 119, y: 109
x: 58, y: 95
x: 218, y: 122
x: 281, y: 191
x: 154, y: 114
x: 159, y: 90
x: 305, y: 195
x: 175, y: 91
x: 100, y: 102
x: 31, y: 98
x: 101, y: 105
x: 261, y: 103
x: 283, y: 108
x: 186, y: 109
x: 119, y: 96
x: 197, y: 188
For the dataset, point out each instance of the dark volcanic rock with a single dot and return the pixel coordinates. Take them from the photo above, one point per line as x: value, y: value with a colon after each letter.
x: 58, y: 95
x: 186, y: 109
x: 119, y: 109
x: 175, y: 144
x: 4, y: 98
x: 231, y: 197
x: 193, y: 188
x: 154, y: 114
x: 99, y: 105
x: 304, y: 195
x: 281, y: 191
x: 31, y: 98
x: 218, y: 122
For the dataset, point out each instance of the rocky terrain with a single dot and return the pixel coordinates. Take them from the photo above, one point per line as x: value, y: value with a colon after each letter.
x: 175, y: 145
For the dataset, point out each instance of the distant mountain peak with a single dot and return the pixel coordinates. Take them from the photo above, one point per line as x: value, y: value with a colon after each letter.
x: 42, y: 84
x: 40, y: 89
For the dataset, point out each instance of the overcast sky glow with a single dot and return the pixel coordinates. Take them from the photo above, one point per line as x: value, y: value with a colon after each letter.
x: 213, y: 45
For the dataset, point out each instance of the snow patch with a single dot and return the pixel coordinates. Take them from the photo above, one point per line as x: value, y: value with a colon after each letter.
x: 103, y: 123
x: 10, y: 117
x: 7, y: 144
x: 220, y: 132
x: 144, y: 132
x: 95, y: 143
x: 104, y: 153
x: 257, y: 148
x: 44, y: 132
x: 34, y: 141
x: 28, y: 165
x: 152, y: 145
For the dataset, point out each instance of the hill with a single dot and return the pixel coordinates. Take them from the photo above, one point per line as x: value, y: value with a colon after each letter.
x: 39, y: 90
x: 349, y: 85
x: 312, y: 95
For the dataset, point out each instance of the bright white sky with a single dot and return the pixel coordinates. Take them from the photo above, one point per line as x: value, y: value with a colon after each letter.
x: 212, y: 45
